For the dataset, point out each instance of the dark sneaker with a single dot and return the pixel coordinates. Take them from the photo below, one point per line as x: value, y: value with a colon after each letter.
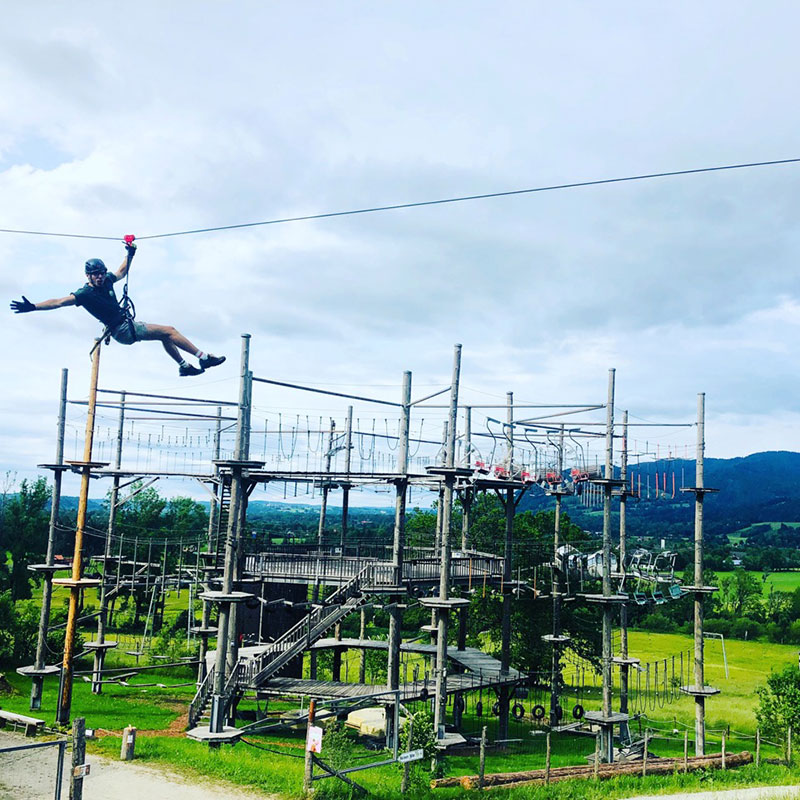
x: 211, y: 361
x: 189, y: 369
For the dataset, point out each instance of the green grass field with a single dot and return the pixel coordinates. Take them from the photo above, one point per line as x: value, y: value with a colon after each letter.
x: 153, y: 710
x: 782, y: 581
x: 749, y: 663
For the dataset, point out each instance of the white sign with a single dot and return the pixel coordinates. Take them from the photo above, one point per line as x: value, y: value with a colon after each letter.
x: 411, y: 755
x: 81, y: 771
x: 314, y: 739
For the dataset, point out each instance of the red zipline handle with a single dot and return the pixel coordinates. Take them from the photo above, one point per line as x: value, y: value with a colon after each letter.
x: 128, y: 239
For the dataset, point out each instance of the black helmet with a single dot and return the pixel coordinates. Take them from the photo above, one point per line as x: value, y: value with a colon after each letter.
x: 94, y: 266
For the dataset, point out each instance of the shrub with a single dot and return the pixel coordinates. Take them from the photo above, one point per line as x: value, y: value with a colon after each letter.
x: 779, y: 703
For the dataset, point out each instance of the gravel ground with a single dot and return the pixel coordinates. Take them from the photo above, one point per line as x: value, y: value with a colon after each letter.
x: 30, y: 775
x: 758, y: 793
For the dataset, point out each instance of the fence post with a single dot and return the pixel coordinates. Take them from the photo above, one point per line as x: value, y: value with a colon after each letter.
x: 758, y: 747
x: 789, y: 747
x: 596, y: 753
x: 78, y: 757
x: 644, y: 752
x: 547, y: 760
x: 409, y: 746
x: 126, y: 752
x: 724, y: 741
x: 482, y: 764
x: 686, y: 751
x: 308, y: 771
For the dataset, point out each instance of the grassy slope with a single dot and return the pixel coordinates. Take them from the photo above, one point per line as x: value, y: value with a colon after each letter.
x: 749, y: 663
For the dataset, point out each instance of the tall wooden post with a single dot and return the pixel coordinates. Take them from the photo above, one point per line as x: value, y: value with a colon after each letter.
x: 443, y: 611
x: 348, y: 452
x: 226, y: 633
x: 505, y: 625
x: 608, y: 729
x: 76, y: 583
x: 557, y: 590
x: 398, y: 539
x: 699, y: 598
x: 39, y: 667
x: 623, y: 610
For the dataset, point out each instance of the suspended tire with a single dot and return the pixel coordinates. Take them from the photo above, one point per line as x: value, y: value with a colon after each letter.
x: 518, y: 711
x: 479, y: 708
x: 496, y: 709
x: 424, y: 693
x: 559, y: 713
x: 537, y: 712
x: 577, y: 711
x: 459, y: 704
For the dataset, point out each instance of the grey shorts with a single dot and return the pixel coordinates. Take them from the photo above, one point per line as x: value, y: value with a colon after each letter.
x: 129, y: 331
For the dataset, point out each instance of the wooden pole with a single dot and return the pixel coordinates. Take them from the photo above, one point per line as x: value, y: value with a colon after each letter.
x: 723, y: 750
x: 644, y: 752
x: 482, y: 762
x: 65, y: 693
x: 547, y: 756
x: 596, y: 754
x: 699, y: 665
x: 308, y: 772
x: 128, y: 748
x: 789, y: 747
x: 505, y: 586
x: 407, y: 765
x: 47, y: 583
x: 443, y: 614
x: 686, y: 751
x: 607, y: 650
x: 758, y: 747
x: 78, y: 753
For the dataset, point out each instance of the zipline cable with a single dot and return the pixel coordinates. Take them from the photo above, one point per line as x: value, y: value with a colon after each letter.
x: 419, y: 204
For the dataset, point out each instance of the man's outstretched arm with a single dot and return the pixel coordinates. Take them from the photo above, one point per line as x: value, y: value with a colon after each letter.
x: 25, y: 305
x: 130, y: 252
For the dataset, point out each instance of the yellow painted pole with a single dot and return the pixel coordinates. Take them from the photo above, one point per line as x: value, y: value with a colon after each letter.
x: 65, y: 695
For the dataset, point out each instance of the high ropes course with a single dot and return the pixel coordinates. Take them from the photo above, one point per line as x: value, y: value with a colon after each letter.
x: 261, y: 605
x: 262, y: 602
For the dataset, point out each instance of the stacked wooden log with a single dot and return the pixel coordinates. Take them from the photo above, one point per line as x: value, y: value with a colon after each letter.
x: 513, y: 780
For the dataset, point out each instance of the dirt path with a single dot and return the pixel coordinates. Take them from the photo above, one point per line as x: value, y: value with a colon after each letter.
x: 758, y: 793
x: 31, y: 775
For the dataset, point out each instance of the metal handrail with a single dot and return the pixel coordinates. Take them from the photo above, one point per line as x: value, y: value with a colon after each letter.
x: 306, y: 630
x: 204, y: 691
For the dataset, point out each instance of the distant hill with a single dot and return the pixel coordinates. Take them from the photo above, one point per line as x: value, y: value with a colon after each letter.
x: 763, y: 487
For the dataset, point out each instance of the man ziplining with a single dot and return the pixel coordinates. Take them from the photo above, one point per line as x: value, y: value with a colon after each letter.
x: 99, y: 299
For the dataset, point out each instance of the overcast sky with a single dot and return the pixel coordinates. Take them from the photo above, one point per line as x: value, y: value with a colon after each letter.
x: 165, y: 117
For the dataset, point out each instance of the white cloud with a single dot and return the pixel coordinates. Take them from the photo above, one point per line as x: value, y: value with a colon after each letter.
x: 166, y: 118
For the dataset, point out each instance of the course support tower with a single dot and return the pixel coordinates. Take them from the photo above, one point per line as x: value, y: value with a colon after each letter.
x: 205, y: 629
x: 624, y: 661
x: 228, y: 599
x: 505, y: 626
x: 698, y: 689
x: 77, y: 582
x: 40, y: 669
x: 607, y: 718
x: 557, y: 639
x: 398, y: 544
x: 608, y: 676
x: 443, y: 604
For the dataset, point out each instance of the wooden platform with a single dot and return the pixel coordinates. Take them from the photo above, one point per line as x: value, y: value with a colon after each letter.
x: 416, y: 690
x: 476, y: 661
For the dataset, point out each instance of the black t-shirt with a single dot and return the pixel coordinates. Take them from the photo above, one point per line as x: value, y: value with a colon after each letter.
x: 101, y: 302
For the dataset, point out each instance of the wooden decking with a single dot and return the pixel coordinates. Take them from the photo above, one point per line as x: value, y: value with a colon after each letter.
x: 484, y: 672
x: 476, y: 661
x: 415, y: 690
